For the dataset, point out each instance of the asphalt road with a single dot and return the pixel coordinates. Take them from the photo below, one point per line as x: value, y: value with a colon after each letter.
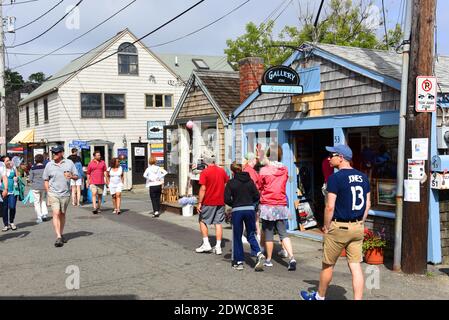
x: 134, y: 256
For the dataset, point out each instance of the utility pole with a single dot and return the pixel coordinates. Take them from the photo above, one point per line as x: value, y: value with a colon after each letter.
x: 418, y: 125
x: 2, y: 86
x: 401, y: 144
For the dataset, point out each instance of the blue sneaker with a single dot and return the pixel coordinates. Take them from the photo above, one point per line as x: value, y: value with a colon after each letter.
x: 308, y: 296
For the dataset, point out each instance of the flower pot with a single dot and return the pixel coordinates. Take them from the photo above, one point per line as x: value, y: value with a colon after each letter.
x: 187, y: 210
x: 374, y: 256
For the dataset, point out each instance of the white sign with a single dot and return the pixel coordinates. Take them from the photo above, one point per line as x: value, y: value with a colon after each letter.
x: 426, y: 94
x: 38, y: 151
x: 416, y: 169
x: 139, y: 152
x: 420, y: 149
x: 439, y: 181
x: 411, y: 191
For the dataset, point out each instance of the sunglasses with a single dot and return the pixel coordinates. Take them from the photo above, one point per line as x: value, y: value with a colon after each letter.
x: 334, y: 155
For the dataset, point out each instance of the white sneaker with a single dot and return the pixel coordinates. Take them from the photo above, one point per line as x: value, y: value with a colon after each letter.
x: 204, y: 248
x: 309, y: 224
x: 244, y: 240
x: 217, y: 250
x: 282, y: 253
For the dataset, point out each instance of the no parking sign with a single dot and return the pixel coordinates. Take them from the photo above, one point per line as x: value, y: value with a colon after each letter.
x: 426, y: 94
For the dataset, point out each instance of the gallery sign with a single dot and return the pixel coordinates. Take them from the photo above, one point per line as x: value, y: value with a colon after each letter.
x: 281, y: 79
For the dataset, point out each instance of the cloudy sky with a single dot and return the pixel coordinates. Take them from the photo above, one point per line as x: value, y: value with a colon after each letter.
x: 145, y: 15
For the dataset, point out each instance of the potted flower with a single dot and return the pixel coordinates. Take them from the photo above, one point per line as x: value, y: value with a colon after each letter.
x: 187, y: 204
x: 373, y: 246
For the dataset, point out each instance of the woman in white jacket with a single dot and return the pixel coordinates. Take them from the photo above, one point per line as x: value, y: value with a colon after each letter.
x: 155, y: 179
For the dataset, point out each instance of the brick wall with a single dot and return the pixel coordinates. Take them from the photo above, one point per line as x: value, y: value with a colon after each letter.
x: 377, y: 224
x: 251, y: 71
x: 444, y: 225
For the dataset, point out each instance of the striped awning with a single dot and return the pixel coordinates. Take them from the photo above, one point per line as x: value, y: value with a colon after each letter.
x: 24, y: 136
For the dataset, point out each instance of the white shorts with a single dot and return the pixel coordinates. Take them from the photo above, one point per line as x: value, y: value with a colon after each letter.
x: 78, y: 182
x: 113, y: 189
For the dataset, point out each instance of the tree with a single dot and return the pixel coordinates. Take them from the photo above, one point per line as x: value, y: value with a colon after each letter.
x: 13, y: 81
x: 344, y: 22
x: 37, y: 78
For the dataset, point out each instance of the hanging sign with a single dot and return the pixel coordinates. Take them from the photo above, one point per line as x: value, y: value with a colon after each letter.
x: 281, y: 79
x: 426, y: 94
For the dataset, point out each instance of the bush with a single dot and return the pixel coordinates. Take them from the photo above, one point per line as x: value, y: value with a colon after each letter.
x: 373, y: 240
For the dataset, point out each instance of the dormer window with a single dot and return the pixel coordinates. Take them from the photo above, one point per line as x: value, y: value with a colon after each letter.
x: 128, y: 62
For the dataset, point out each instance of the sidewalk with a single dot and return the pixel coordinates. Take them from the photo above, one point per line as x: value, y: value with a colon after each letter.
x: 308, y: 254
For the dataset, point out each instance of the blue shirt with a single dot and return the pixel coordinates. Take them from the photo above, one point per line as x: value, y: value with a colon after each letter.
x: 351, y: 187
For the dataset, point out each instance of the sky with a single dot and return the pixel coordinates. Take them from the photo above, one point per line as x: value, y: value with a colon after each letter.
x: 145, y: 15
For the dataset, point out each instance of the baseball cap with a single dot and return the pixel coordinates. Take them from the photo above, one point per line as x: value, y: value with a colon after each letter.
x: 57, y: 149
x: 341, y: 149
x: 208, y: 156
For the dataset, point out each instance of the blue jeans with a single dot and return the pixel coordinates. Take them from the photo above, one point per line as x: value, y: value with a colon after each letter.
x: 9, y: 209
x: 247, y: 217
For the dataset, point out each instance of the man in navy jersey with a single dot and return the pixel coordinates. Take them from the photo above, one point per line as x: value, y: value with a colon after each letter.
x: 347, y: 207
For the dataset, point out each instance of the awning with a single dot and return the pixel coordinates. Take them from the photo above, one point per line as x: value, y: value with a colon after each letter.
x: 24, y: 136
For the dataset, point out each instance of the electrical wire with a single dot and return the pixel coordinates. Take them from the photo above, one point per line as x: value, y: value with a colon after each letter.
x: 41, y: 16
x: 73, y: 40
x: 57, y: 22
x: 385, y: 25
x: 13, y: 4
x: 130, y: 44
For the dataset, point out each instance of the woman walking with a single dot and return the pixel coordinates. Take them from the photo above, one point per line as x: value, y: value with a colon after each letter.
x: 114, y: 179
x: 76, y: 184
x: 38, y: 188
x: 9, y: 204
x: 241, y: 194
x: 155, y: 179
x: 273, y: 205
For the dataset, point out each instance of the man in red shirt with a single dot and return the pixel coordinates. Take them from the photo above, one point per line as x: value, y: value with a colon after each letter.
x: 95, y: 180
x: 211, y: 205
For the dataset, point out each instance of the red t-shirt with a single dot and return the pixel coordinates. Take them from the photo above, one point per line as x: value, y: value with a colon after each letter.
x: 96, y: 171
x: 214, y: 178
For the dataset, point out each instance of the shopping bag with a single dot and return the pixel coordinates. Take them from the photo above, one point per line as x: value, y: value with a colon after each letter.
x: 89, y: 196
x: 29, y: 198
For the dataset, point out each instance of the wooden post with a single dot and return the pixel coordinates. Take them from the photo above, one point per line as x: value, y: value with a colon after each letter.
x: 418, y: 125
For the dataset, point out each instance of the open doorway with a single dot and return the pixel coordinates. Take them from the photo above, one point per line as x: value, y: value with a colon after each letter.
x: 310, y: 159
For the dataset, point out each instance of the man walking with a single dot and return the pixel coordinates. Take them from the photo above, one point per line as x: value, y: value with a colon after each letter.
x: 347, y: 206
x: 95, y: 180
x: 57, y: 176
x: 211, y: 205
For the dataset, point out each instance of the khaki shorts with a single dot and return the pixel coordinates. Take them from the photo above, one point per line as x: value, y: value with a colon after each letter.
x: 58, y: 203
x: 343, y: 235
x: 97, y: 188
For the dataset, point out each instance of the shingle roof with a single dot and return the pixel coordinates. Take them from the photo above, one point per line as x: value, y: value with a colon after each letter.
x: 66, y: 72
x: 384, y: 62
x: 224, y: 87
x: 185, y: 64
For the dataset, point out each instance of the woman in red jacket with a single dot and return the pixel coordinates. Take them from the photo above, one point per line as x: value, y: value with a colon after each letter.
x: 273, y: 205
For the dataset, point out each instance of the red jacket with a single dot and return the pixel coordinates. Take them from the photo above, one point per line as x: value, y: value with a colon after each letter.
x: 273, y: 181
x: 253, y: 174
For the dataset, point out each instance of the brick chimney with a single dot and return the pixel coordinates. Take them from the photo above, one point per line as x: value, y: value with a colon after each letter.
x: 251, y: 72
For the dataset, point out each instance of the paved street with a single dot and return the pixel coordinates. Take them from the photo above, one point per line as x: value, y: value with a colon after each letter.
x: 134, y: 256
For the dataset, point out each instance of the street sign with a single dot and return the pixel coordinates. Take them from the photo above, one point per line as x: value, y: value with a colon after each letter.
x: 426, y: 94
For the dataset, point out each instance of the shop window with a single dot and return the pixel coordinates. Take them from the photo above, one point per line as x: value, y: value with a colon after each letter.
x: 159, y: 101
x: 36, y: 113
x: 28, y: 115
x: 375, y: 154
x: 128, y: 63
x: 91, y: 106
x: 171, y: 151
x: 114, y: 105
x: 258, y: 142
x: 45, y: 110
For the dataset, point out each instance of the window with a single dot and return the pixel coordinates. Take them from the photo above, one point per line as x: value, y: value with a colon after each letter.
x: 28, y: 115
x: 91, y: 106
x: 128, y: 59
x: 159, y: 101
x: 114, y: 105
x: 36, y: 114
x: 200, y: 64
x: 45, y: 110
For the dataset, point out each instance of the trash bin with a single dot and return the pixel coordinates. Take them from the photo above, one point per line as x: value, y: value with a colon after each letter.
x: 187, y: 210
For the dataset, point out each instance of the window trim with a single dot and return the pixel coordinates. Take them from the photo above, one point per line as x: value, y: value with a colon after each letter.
x: 154, y: 101
x: 136, y: 54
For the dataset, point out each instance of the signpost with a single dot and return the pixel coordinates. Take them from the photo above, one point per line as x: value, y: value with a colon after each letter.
x: 426, y: 94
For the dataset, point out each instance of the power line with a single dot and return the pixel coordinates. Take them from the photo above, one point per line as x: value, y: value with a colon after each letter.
x: 42, y: 54
x: 70, y: 42
x: 130, y: 44
x: 385, y: 25
x: 42, y: 15
x: 26, y: 42
x: 202, y: 28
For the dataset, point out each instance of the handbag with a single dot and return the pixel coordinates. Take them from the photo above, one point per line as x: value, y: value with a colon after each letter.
x: 29, y: 198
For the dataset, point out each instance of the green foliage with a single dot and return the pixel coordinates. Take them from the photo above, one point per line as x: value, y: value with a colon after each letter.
x: 373, y: 240
x: 343, y: 22
x: 13, y: 81
x: 37, y: 78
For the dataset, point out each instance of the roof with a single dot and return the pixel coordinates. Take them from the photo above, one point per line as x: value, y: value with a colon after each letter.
x: 66, y: 72
x: 224, y: 87
x: 185, y: 64
x: 384, y: 62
